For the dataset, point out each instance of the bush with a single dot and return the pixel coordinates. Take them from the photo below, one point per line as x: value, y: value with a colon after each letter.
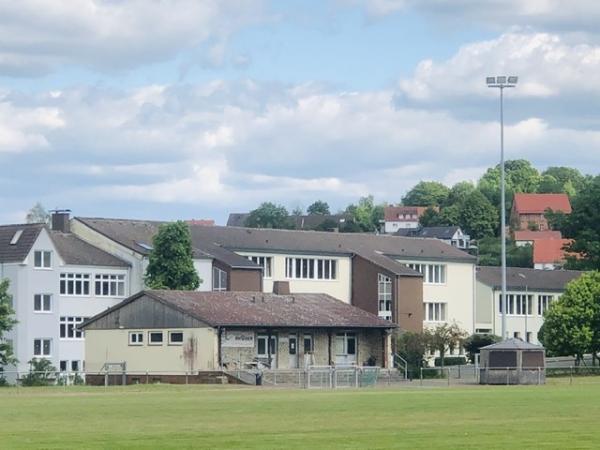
x: 41, y: 373
x: 450, y: 361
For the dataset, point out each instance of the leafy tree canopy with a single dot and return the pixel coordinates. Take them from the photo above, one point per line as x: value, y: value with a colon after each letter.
x: 477, y: 216
x: 459, y: 192
x: 473, y: 343
x: 318, y: 207
x: 366, y: 215
x: 444, y: 337
x: 171, y: 264
x: 269, y: 215
x: 572, y: 323
x: 489, y: 253
x: 583, y: 225
x: 427, y: 193
x: 520, y: 176
x: 7, y: 321
x: 37, y: 214
x: 562, y: 179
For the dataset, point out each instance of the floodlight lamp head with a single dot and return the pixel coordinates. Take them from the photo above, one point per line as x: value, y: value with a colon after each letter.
x: 490, y: 80
x: 501, y: 79
x: 513, y: 79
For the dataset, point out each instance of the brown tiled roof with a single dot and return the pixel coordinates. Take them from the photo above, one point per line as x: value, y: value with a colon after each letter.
x: 550, y: 250
x: 252, y: 309
x: 539, y: 203
x: 19, y: 251
x: 391, y: 213
x: 541, y: 280
x: 527, y: 235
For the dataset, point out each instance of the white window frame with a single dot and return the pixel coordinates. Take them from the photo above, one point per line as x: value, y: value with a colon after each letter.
x: 162, y: 338
x: 68, y: 325
x: 76, y: 278
x: 435, y: 311
x: 344, y: 337
x: 134, y: 338
x: 44, y: 263
x: 109, y: 285
x: 221, y: 276
x: 266, y: 262
x: 265, y: 337
x: 543, y: 303
x: 171, y: 333
x: 384, y: 296
x: 432, y: 273
x: 516, y: 304
x: 43, y: 298
x: 42, y: 353
x: 318, y: 269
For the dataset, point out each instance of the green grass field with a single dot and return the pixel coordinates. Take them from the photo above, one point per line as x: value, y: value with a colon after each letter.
x: 164, y: 417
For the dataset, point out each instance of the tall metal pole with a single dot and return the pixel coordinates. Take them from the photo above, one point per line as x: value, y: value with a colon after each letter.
x: 503, y: 213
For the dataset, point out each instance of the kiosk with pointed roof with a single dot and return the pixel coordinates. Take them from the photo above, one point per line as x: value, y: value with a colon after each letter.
x: 512, y: 361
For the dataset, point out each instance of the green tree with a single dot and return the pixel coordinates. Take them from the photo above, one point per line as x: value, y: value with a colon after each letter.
x: 7, y: 322
x: 318, y: 207
x: 430, y: 218
x: 520, y: 176
x: 426, y: 193
x: 473, y: 343
x: 412, y: 347
x: 171, y: 264
x: 459, y: 192
x: 450, y: 215
x: 582, y: 225
x: 444, y: 337
x: 549, y: 185
x: 477, y: 216
x: 365, y: 216
x: 37, y: 214
x: 516, y: 256
x: 269, y: 215
x: 572, y: 323
x: 567, y: 179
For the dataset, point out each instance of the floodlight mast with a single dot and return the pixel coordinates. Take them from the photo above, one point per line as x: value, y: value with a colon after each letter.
x: 501, y: 82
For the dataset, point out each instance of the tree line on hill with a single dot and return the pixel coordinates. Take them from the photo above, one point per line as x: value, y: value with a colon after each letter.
x: 475, y: 207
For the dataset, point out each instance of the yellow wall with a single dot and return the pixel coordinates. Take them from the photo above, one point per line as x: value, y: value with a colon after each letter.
x: 198, y: 352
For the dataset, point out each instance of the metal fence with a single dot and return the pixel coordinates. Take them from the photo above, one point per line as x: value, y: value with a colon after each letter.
x: 314, y: 377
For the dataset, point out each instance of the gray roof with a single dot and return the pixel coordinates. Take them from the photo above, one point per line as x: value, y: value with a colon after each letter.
x: 379, y: 249
x: 534, y: 279
x: 19, y: 251
x: 253, y: 309
x: 438, y: 232
x: 137, y: 235
x: 512, y: 344
x: 76, y: 252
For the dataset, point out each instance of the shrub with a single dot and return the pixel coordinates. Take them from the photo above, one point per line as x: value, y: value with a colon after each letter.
x: 41, y: 373
x: 450, y: 361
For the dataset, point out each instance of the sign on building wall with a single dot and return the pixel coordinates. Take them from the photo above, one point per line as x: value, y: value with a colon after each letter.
x: 237, y: 339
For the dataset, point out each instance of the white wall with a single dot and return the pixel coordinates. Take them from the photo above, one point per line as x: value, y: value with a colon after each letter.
x: 339, y: 288
x: 204, y: 269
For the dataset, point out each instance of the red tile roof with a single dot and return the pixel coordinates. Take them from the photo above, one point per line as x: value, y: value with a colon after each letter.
x: 391, y: 213
x: 527, y: 235
x: 549, y: 250
x: 539, y: 203
x: 205, y: 222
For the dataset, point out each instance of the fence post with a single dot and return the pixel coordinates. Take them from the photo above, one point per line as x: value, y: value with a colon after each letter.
x: 421, y: 376
x: 186, y: 377
x: 448, y: 369
x: 539, y: 376
x: 570, y: 375
x: 356, y: 369
x: 507, y: 376
x: 333, y: 378
x: 459, y: 372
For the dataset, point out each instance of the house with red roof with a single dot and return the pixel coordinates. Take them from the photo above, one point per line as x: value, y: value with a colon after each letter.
x: 528, y: 237
x: 403, y: 217
x: 528, y: 210
x: 549, y: 254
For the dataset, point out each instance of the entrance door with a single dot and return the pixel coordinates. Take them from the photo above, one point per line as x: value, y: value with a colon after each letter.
x: 293, y: 351
x: 345, y: 348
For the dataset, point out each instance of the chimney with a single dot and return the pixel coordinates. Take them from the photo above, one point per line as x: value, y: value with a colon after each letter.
x: 60, y: 220
x: 281, y: 287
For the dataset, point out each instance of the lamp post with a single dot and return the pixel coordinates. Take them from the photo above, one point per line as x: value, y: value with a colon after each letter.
x: 527, y: 309
x: 502, y: 82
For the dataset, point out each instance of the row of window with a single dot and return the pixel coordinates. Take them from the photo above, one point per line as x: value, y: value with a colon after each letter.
x: 432, y: 273
x: 155, y: 337
x: 384, y: 296
x: 310, y: 269
x: 435, y: 311
x: 78, y: 284
x: 521, y: 304
x: 75, y: 366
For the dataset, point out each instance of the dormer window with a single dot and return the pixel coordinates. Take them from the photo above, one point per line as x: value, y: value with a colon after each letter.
x: 16, y: 237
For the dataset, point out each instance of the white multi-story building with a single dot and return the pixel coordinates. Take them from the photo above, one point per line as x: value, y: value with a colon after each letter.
x: 529, y: 293
x: 56, y: 281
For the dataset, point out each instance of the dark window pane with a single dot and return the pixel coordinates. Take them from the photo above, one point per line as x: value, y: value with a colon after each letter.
x: 351, y: 345
x: 176, y: 337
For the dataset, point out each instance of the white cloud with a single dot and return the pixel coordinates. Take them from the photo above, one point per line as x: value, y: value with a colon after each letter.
x: 226, y: 146
x: 569, y: 15
x: 37, y: 36
x: 547, y: 67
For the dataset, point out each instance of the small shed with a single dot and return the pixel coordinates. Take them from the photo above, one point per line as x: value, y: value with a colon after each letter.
x: 512, y: 361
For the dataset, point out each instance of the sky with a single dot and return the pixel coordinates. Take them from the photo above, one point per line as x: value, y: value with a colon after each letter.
x: 181, y: 109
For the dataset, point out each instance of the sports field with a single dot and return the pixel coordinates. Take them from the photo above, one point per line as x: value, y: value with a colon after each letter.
x: 165, y: 417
